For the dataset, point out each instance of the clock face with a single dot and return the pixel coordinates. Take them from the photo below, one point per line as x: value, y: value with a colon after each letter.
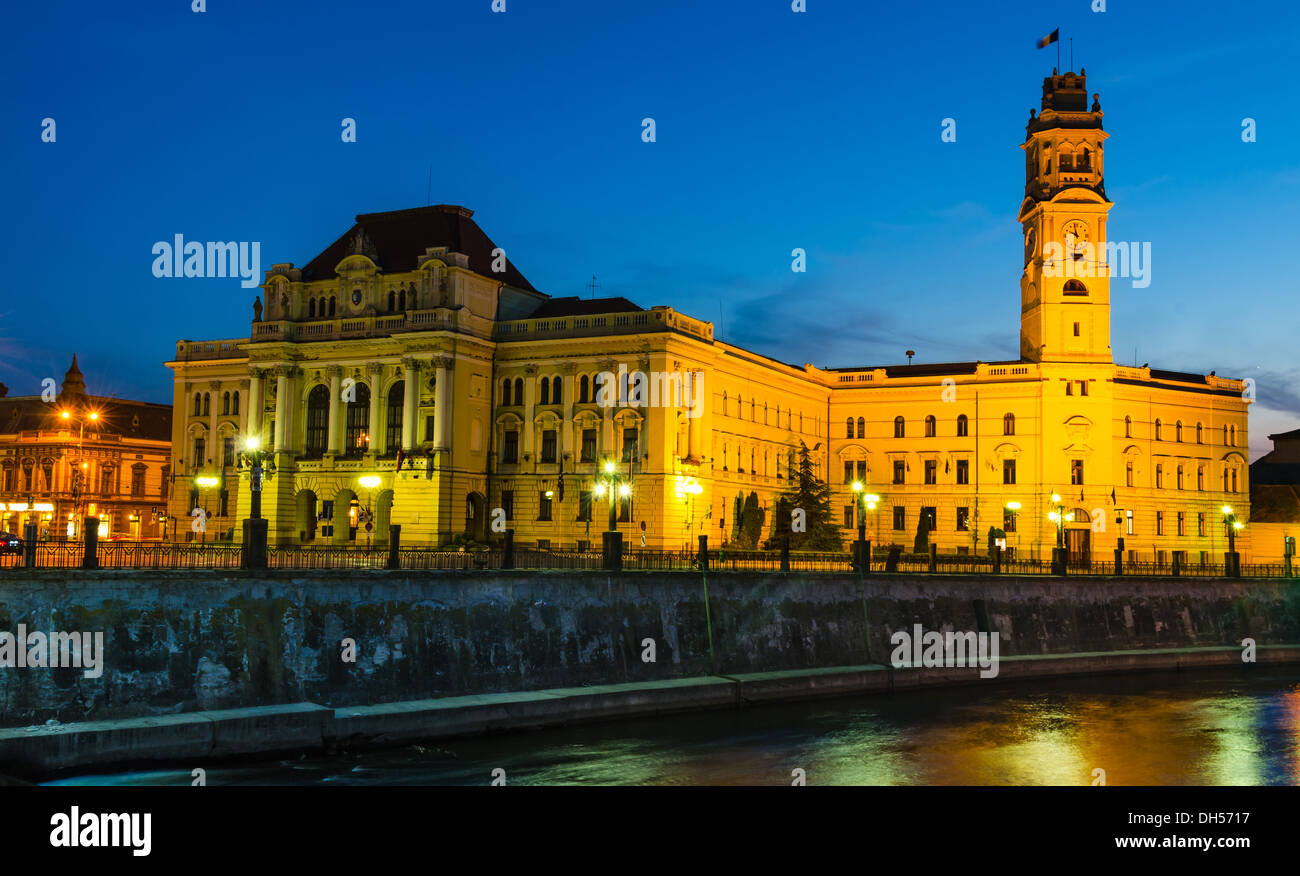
x: 1076, y: 233
x: 356, y: 296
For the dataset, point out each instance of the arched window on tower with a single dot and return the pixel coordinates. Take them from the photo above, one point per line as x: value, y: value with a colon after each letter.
x: 1074, y: 287
x: 899, y: 428
x: 862, y: 428
x: 401, y: 300
x: 1199, y: 434
x: 546, y: 391
x: 1157, y: 430
x: 848, y: 428
x: 1009, y: 424
x: 1128, y: 427
x: 1232, y: 438
x: 931, y: 426
x: 234, y: 403
x: 1178, y: 431
x: 963, y: 426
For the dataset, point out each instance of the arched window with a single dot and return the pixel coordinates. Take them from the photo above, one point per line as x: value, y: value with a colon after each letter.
x: 401, y: 300
x: 597, y: 385
x: 1199, y: 438
x: 1232, y: 439
x: 1225, y: 436
x: 318, y: 410
x: 1157, y: 430
x: 931, y: 426
x: 1008, y: 424
x: 357, y: 437
x: 1128, y: 427
x: 898, y: 427
x: 848, y: 428
x: 862, y: 428
x: 311, y: 308
x: 198, y: 410
x: 546, y: 391
x: 1178, y: 431
x: 393, y: 438
x: 392, y: 300
x: 234, y: 403
x: 333, y: 301
x: 519, y: 390
x: 583, y: 386
x: 505, y: 391
x: 225, y: 402
x: 1074, y: 287
x: 557, y: 394
x: 963, y: 426
x: 207, y: 403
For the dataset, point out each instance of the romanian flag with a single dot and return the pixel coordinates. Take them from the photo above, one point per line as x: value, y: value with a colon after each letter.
x: 1049, y: 39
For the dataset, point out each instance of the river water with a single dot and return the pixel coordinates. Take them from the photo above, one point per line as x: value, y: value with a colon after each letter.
x: 1219, y: 727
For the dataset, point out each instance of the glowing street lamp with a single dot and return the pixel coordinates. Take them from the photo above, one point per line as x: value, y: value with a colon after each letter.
x: 613, y: 484
x: 204, y: 482
x: 369, y: 482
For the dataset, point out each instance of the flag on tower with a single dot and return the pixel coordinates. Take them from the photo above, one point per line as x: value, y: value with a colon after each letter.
x: 1049, y: 39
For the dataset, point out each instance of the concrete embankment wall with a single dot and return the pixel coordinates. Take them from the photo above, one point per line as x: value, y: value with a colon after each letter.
x: 187, y: 641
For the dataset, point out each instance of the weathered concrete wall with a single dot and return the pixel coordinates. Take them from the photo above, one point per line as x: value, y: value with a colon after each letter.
x: 185, y: 641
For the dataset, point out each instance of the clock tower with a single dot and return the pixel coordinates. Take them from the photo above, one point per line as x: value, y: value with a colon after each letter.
x: 1065, y: 286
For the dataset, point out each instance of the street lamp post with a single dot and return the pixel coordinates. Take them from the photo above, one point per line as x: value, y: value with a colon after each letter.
x: 204, y: 481
x: 865, y: 502
x: 613, y: 484
x: 369, y: 482
x: 1232, y: 561
x: 78, y: 475
x: 255, y: 528
x: 1060, y: 518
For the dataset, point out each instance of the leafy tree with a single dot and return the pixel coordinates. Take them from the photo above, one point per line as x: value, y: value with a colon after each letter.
x: 813, y: 497
x: 921, y: 545
x: 751, y: 522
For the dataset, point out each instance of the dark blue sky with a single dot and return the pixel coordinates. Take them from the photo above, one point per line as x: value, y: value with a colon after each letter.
x: 775, y: 130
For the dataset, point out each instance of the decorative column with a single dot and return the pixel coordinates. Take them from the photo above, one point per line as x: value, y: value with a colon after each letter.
x: 255, y: 403
x: 442, y: 399
x: 336, y: 392
x: 530, y: 400
x: 376, y: 372
x: 410, y: 403
x: 283, y: 408
x: 566, y: 429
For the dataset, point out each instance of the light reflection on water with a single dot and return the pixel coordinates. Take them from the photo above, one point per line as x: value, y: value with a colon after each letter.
x: 1225, y: 727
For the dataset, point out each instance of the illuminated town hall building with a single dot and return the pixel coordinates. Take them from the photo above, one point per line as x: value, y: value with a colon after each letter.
x: 412, y: 339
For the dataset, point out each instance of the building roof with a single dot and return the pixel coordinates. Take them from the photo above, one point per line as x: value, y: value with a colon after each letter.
x: 575, y: 306
x: 130, y: 419
x: 397, y: 239
x: 1294, y: 433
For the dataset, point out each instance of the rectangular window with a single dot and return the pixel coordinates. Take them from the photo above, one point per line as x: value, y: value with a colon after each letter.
x: 629, y: 443
x: 848, y: 472
x: 1160, y: 523
x: 548, y: 445
x: 1200, y: 523
x: 588, y: 445
x: 931, y: 471
x: 1182, y: 523
x: 625, y: 508
x: 225, y: 504
x: 862, y: 470
x: 510, y: 447
x: 1160, y: 475
x: 1069, y: 387
x: 848, y: 516
x: 200, y: 454
x: 544, y: 505
x: 963, y: 471
x: 508, y: 503
x: 137, y: 481
x: 429, y: 432
x: 900, y: 517
x: 1128, y: 517
x: 931, y: 516
x: 963, y: 519
x: 227, y: 451
x: 1008, y: 520
x: 584, y: 505
x: 1076, y: 471
x: 1083, y: 387
x: 900, y: 469
x: 1128, y: 474
x: 1008, y: 471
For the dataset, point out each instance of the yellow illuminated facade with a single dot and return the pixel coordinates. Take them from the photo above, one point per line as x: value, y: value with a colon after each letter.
x: 412, y: 339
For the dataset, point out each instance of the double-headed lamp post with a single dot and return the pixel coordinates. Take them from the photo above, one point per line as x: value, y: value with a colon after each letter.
x: 611, y: 482
x: 1060, y: 518
x: 255, y: 456
x: 865, y: 502
x: 1233, y: 525
x: 204, y: 482
x: 687, y: 489
x: 79, y: 473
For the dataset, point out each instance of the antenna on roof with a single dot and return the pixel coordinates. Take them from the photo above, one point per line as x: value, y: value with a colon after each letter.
x: 593, y: 286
